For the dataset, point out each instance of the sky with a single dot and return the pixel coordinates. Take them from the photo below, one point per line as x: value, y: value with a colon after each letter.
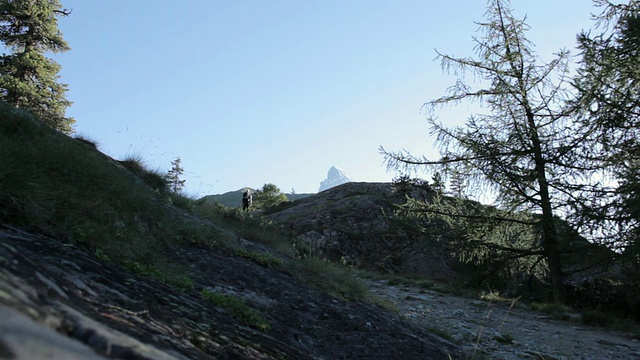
x: 249, y: 92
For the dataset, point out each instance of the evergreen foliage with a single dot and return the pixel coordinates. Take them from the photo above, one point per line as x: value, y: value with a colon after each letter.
x: 609, y: 98
x: 237, y: 308
x: 405, y: 184
x: 438, y: 182
x: 28, y: 79
x: 173, y: 176
x: 526, y: 150
x: 457, y: 184
x: 268, y: 196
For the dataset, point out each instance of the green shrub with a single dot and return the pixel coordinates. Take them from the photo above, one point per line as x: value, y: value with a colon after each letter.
x: 180, y: 281
x: 138, y: 268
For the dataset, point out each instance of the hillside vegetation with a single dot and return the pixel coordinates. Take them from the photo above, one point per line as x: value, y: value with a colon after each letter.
x: 94, y: 239
x: 65, y: 188
x: 98, y: 251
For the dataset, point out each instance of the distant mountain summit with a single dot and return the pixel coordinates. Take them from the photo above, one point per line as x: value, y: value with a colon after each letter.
x: 335, y: 177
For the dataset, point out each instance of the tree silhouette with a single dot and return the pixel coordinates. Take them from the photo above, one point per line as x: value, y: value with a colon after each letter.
x: 526, y: 149
x: 28, y: 79
x: 173, y: 176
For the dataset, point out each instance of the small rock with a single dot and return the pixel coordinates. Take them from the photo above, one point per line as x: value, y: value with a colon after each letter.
x: 460, y: 313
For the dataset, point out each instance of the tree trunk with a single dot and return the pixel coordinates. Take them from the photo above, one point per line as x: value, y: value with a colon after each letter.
x: 549, y: 233
x: 550, y: 246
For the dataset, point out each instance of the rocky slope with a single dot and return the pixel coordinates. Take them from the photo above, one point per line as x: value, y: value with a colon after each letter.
x: 352, y: 224
x: 59, y: 301
x: 357, y: 224
x: 501, y: 330
x: 63, y: 297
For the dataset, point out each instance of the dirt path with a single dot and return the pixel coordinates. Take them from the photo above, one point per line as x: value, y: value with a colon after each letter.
x: 505, y: 331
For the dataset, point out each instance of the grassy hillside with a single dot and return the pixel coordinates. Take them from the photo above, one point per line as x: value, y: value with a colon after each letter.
x: 64, y: 187
x: 133, y: 271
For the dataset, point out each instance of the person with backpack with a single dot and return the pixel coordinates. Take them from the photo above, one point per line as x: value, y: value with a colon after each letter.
x: 246, y: 200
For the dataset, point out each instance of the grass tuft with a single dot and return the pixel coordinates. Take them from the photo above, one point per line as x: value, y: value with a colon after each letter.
x: 264, y: 259
x: 556, y: 311
x: 237, y: 308
x: 155, y: 179
x: 85, y: 140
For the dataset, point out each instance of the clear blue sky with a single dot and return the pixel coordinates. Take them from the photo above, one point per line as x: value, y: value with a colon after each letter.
x: 248, y: 92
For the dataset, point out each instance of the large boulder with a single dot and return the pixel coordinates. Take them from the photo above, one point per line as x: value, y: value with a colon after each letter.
x: 355, y: 224
x: 61, y: 301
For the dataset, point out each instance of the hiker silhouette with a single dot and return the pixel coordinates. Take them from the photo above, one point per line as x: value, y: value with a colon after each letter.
x: 247, y: 198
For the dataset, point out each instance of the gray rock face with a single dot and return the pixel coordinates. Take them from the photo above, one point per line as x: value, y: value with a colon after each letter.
x: 58, y: 301
x: 335, y: 177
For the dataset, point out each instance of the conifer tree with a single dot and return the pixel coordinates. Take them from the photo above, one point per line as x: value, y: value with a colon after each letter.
x: 609, y: 95
x: 173, y: 176
x: 28, y: 79
x: 457, y: 184
x: 438, y: 182
x: 524, y: 147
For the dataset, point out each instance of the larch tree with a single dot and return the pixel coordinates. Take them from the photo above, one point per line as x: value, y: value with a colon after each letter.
x: 525, y: 150
x: 28, y: 79
x: 609, y: 95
